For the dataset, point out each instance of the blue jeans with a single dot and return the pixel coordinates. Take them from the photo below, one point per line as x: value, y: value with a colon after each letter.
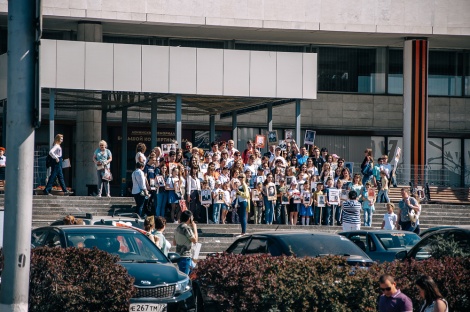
x: 184, y: 264
x: 328, y: 215
x: 269, y: 210
x: 382, y: 197
x: 216, y: 212
x: 56, y: 172
x: 338, y: 214
x: 367, y: 216
x: 162, y: 198
x: 316, y: 215
x: 242, y: 215
x: 139, y: 203
x: 281, y: 213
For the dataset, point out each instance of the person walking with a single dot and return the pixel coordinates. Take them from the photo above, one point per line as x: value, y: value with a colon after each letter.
x: 392, y: 299
x: 56, y: 169
x: 407, y: 204
x: 429, y: 292
x: 185, y: 236
x: 163, y: 243
x: 102, y: 157
x: 139, y: 188
x: 351, y: 213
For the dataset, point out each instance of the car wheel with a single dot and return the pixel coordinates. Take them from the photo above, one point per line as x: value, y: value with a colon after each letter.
x: 198, y: 303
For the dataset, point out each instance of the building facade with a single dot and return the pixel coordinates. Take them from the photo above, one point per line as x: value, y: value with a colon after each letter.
x: 361, y: 79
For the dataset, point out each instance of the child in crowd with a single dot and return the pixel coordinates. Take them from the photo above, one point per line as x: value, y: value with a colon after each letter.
x: 367, y: 203
x: 390, y: 218
x: 225, y: 207
x: 259, y: 204
x: 235, y: 184
x: 337, y: 208
x: 205, y: 186
x: 306, y: 206
x: 382, y: 197
x: 217, y: 206
x: 328, y: 209
x: 317, y: 215
x: 292, y: 207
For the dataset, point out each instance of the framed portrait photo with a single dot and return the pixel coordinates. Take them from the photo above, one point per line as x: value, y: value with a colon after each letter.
x: 260, y: 141
x: 272, y: 137
x: 333, y: 196
x: 271, y: 188
x: 206, y: 198
x: 321, y: 201
x: 160, y: 181
x: 309, y: 137
x: 219, y: 199
x: 255, y: 195
x: 288, y: 135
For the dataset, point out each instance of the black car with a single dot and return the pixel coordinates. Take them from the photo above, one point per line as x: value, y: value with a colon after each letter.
x: 160, y: 285
x: 428, y: 245
x: 382, y: 245
x: 300, y: 244
x: 88, y: 219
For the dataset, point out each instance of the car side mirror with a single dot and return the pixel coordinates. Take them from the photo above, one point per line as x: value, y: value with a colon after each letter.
x: 174, y: 257
x: 401, y: 255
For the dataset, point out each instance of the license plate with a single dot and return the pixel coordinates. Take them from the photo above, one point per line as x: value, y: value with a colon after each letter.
x: 150, y: 307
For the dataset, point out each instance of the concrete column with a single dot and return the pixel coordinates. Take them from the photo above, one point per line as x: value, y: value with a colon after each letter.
x: 89, y: 123
x: 104, y: 125
x: 298, y: 116
x: 270, y: 117
x: 234, y: 129
x: 51, y: 116
x: 124, y: 153
x: 415, y: 109
x: 212, y: 128
x: 178, y: 119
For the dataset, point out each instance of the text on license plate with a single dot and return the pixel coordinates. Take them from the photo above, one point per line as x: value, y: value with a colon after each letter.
x: 150, y: 307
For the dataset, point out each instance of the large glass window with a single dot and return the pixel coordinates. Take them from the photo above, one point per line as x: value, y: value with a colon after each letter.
x: 346, y: 70
x: 395, y: 71
x: 445, y: 73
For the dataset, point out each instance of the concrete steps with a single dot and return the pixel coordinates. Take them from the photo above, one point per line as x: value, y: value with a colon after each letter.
x: 217, y: 237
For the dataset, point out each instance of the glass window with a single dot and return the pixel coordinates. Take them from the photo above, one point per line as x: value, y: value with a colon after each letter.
x: 395, y: 71
x: 257, y: 246
x: 38, y: 238
x: 237, y: 247
x: 467, y: 162
x: 452, y: 161
x: 360, y: 240
x: 445, y: 73
x: 467, y: 73
x: 346, y: 69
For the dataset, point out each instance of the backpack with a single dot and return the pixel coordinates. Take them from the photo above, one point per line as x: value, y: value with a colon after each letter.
x: 50, y: 161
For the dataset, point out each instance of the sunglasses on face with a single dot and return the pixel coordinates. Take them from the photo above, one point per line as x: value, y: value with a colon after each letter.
x: 386, y: 288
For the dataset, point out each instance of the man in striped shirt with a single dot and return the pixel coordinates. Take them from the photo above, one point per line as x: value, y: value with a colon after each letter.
x: 351, y: 213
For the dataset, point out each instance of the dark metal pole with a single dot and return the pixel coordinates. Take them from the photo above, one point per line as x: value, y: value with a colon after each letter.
x: 124, y: 153
x: 153, y: 124
x: 104, y: 125
x: 22, y: 59
x: 234, y: 129
x: 178, y: 119
x: 211, y: 128
x: 298, y: 119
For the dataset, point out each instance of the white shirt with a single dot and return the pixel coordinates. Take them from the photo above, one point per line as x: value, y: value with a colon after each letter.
x: 3, y: 161
x: 56, y: 151
x: 390, y: 221
x: 138, y: 155
x: 138, y: 181
x: 193, y: 184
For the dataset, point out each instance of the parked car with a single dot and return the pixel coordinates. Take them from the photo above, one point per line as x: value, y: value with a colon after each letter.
x: 300, y: 244
x: 160, y: 285
x: 382, y: 245
x: 426, y: 248
x: 89, y: 219
x: 289, y: 243
x: 436, y: 228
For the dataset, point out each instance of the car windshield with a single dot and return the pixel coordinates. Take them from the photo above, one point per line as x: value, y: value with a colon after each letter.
x: 398, y: 240
x: 132, y: 247
x: 311, y: 245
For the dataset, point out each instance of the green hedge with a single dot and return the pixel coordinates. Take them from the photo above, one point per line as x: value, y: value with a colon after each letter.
x: 263, y: 283
x: 77, y: 279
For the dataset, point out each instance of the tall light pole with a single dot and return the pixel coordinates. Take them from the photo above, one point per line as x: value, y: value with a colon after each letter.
x: 22, y: 116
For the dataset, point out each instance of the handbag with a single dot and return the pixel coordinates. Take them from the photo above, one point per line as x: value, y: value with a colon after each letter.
x: 183, y: 206
x: 106, y: 175
x: 412, y: 215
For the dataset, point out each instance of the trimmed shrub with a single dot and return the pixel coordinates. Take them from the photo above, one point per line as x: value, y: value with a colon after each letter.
x: 264, y: 283
x: 78, y: 279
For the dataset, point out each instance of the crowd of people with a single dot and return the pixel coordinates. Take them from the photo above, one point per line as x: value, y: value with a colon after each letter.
x: 291, y: 184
